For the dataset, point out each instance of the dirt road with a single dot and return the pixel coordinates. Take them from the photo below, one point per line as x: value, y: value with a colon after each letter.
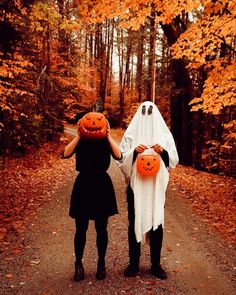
x: 197, y: 260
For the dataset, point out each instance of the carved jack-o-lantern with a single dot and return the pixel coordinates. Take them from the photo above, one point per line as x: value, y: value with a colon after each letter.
x: 148, y: 165
x: 93, y: 125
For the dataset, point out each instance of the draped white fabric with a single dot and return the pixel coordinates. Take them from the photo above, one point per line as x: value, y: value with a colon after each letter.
x: 149, y: 192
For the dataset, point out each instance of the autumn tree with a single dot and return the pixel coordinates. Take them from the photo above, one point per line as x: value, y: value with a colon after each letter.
x: 107, y: 55
x: 208, y: 47
x: 15, y: 88
x: 201, y: 37
x: 42, y: 72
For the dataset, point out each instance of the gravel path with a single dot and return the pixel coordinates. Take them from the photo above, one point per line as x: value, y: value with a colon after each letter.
x: 197, y: 260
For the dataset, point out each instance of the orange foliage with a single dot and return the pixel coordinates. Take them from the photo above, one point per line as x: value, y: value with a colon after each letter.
x: 75, y: 79
x: 200, y: 44
x: 218, y: 92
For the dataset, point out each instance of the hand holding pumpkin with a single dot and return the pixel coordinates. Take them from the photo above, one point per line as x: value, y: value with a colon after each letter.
x: 78, y: 128
x: 157, y: 148
x: 108, y: 128
x: 141, y: 148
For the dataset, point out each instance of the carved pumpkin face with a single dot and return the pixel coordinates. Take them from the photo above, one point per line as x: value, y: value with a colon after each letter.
x: 148, y: 165
x: 93, y: 125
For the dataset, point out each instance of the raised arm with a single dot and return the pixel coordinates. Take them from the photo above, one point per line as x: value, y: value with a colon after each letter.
x: 70, y: 148
x: 114, y: 147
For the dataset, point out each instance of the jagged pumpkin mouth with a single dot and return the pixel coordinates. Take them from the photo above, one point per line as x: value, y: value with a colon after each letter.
x: 148, y: 168
x: 92, y: 129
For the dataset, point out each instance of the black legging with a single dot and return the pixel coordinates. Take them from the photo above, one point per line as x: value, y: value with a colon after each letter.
x: 80, y: 237
x: 156, y: 237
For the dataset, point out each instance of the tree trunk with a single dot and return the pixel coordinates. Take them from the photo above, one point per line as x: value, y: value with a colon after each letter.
x: 101, y: 69
x: 198, y: 121
x: 151, y: 58
x: 120, y: 42
x: 63, y: 39
x: 111, y: 45
x: 140, y: 64
x: 181, y: 117
x: 91, y: 49
x: 127, y: 63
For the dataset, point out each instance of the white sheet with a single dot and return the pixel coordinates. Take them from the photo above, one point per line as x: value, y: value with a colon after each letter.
x: 149, y: 192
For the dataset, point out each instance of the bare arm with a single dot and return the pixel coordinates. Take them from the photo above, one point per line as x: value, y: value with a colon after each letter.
x: 70, y: 148
x: 114, y: 147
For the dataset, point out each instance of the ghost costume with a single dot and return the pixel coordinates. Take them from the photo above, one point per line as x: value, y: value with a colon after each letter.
x: 147, y: 193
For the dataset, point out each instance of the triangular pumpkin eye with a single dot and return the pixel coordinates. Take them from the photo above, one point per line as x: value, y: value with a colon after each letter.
x: 99, y: 118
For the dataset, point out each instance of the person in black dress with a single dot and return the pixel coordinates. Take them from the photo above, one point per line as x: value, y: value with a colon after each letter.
x: 93, y: 196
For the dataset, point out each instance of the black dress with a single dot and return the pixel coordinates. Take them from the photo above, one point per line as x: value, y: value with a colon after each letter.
x: 93, y: 194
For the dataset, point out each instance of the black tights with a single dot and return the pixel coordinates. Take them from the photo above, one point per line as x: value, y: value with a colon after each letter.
x: 80, y: 237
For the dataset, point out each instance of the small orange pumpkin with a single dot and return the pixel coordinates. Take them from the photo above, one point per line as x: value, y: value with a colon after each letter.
x: 148, y: 165
x: 93, y: 125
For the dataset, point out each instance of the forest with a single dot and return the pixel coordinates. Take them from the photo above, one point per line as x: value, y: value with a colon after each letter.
x: 62, y: 57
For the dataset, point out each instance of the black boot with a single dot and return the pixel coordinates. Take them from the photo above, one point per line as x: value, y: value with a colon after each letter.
x: 101, y: 270
x: 79, y: 271
x: 156, y: 238
x: 158, y: 272
x: 131, y: 270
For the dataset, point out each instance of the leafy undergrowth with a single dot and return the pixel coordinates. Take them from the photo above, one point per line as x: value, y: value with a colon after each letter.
x: 212, y: 196
x: 26, y: 184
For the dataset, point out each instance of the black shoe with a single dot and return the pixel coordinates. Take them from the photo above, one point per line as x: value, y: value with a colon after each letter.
x: 131, y: 270
x: 79, y: 271
x: 101, y: 272
x: 159, y: 272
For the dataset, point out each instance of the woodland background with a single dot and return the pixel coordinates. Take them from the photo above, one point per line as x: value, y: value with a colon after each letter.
x: 61, y: 57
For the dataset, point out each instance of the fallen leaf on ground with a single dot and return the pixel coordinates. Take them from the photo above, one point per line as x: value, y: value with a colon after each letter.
x: 150, y: 282
x: 176, y: 270
x: 34, y: 262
